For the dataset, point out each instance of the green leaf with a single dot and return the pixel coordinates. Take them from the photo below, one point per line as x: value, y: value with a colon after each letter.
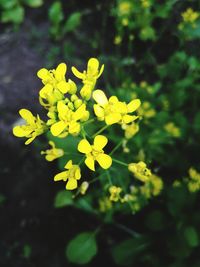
x: 125, y: 253
x: 72, y: 22
x: 191, y: 236
x: 82, y: 248
x: 5, y: 4
x: 15, y: 15
x: 63, y: 198
x: 34, y: 3
x: 56, y: 13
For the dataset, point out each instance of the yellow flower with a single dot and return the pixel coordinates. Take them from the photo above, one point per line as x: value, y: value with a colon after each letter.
x: 53, y: 153
x: 140, y: 171
x: 146, y: 110
x: 172, y: 129
x: 156, y: 184
x: 194, y: 182
x: 84, y: 187
x: 34, y: 126
x: 105, y: 204
x: 117, y: 40
x: 69, y: 121
x: 115, y: 193
x: 124, y: 8
x: 55, y: 85
x: 71, y: 175
x: 112, y: 110
x: 130, y: 130
x: 95, y: 152
x: 89, y: 77
x: 190, y: 15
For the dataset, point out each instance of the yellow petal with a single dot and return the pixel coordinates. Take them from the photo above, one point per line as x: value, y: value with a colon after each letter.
x: 50, y: 157
x: 62, y: 109
x: 100, y: 97
x: 77, y: 73
x: 84, y: 146
x: 63, y: 87
x: 57, y: 128
x: 71, y: 184
x: 19, y: 131
x: 78, y: 114
x: 101, y: 70
x: 78, y: 173
x: 112, y: 118
x: 100, y: 141
x: 27, y: 115
x: 61, y: 176
x: 74, y: 128
x: 104, y: 160
x: 133, y: 105
x: 30, y: 140
x: 68, y: 165
x: 46, y: 90
x: 60, y: 72
x: 89, y: 162
x: 99, y: 111
x: 93, y: 64
x: 43, y: 74
x: 129, y: 118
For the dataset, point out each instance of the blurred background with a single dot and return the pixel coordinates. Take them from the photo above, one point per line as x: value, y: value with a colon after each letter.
x: 150, y: 50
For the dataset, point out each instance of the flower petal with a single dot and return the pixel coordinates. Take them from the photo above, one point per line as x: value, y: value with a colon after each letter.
x: 71, y: 184
x: 113, y: 118
x: 84, y: 146
x: 133, y: 105
x: 100, y: 97
x: 19, y: 131
x: 63, y: 87
x: 98, y: 110
x: 104, y: 160
x: 68, y: 165
x: 77, y: 73
x: 58, y: 127
x: 100, y: 141
x: 60, y: 72
x: 129, y: 118
x: 89, y: 162
x: 27, y: 115
x: 61, y: 176
x: 78, y: 173
x: 43, y: 74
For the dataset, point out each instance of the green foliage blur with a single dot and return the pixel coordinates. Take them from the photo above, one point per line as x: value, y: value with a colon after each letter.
x: 151, y: 51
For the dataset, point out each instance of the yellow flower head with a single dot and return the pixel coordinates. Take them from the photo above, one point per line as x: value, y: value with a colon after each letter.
x: 105, y: 204
x: 34, y: 126
x: 112, y: 110
x: 117, y: 40
x: 115, y: 193
x: 53, y: 153
x: 71, y: 175
x: 69, y: 120
x: 130, y: 130
x: 146, y: 110
x: 140, y: 171
x: 172, y: 129
x: 125, y: 8
x: 190, y: 16
x: 89, y: 77
x: 95, y: 152
x: 55, y: 85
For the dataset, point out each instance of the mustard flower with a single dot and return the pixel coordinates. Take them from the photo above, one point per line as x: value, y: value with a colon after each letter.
x: 105, y: 204
x: 194, y: 181
x: 125, y: 8
x: 69, y: 121
x: 190, y: 16
x: 84, y: 187
x: 95, y: 152
x: 53, y: 153
x: 112, y: 110
x: 89, y: 77
x: 33, y: 127
x: 130, y: 129
x: 172, y: 129
x: 140, y: 171
x: 115, y: 193
x: 55, y: 85
x: 71, y: 175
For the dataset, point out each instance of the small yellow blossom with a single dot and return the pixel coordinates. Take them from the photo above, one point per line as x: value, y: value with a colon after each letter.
x: 130, y: 129
x: 105, y: 204
x: 89, y: 77
x: 124, y: 8
x: 84, y: 187
x: 194, y: 181
x: 95, y: 152
x: 112, y: 110
x: 190, y: 16
x: 115, y: 193
x: 172, y: 129
x: 140, y: 171
x: 146, y: 110
x: 53, y: 153
x: 125, y: 21
x: 69, y: 120
x: 145, y: 3
x: 117, y: 40
x: 157, y: 184
x: 34, y: 126
x: 71, y: 175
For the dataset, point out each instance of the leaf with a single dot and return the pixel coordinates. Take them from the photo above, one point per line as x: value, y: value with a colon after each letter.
x: 56, y: 13
x: 191, y: 236
x: 125, y: 253
x: 15, y: 15
x: 34, y: 3
x: 82, y: 248
x: 73, y: 22
x: 63, y: 198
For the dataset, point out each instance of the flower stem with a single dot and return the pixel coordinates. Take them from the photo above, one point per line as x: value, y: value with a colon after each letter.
x: 120, y: 162
x: 116, y: 147
x: 101, y: 130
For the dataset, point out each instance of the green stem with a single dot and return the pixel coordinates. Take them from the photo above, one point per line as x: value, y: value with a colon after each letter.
x: 101, y: 130
x: 109, y: 177
x: 128, y: 230
x: 120, y: 162
x: 116, y: 147
x: 89, y: 121
x: 81, y: 161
